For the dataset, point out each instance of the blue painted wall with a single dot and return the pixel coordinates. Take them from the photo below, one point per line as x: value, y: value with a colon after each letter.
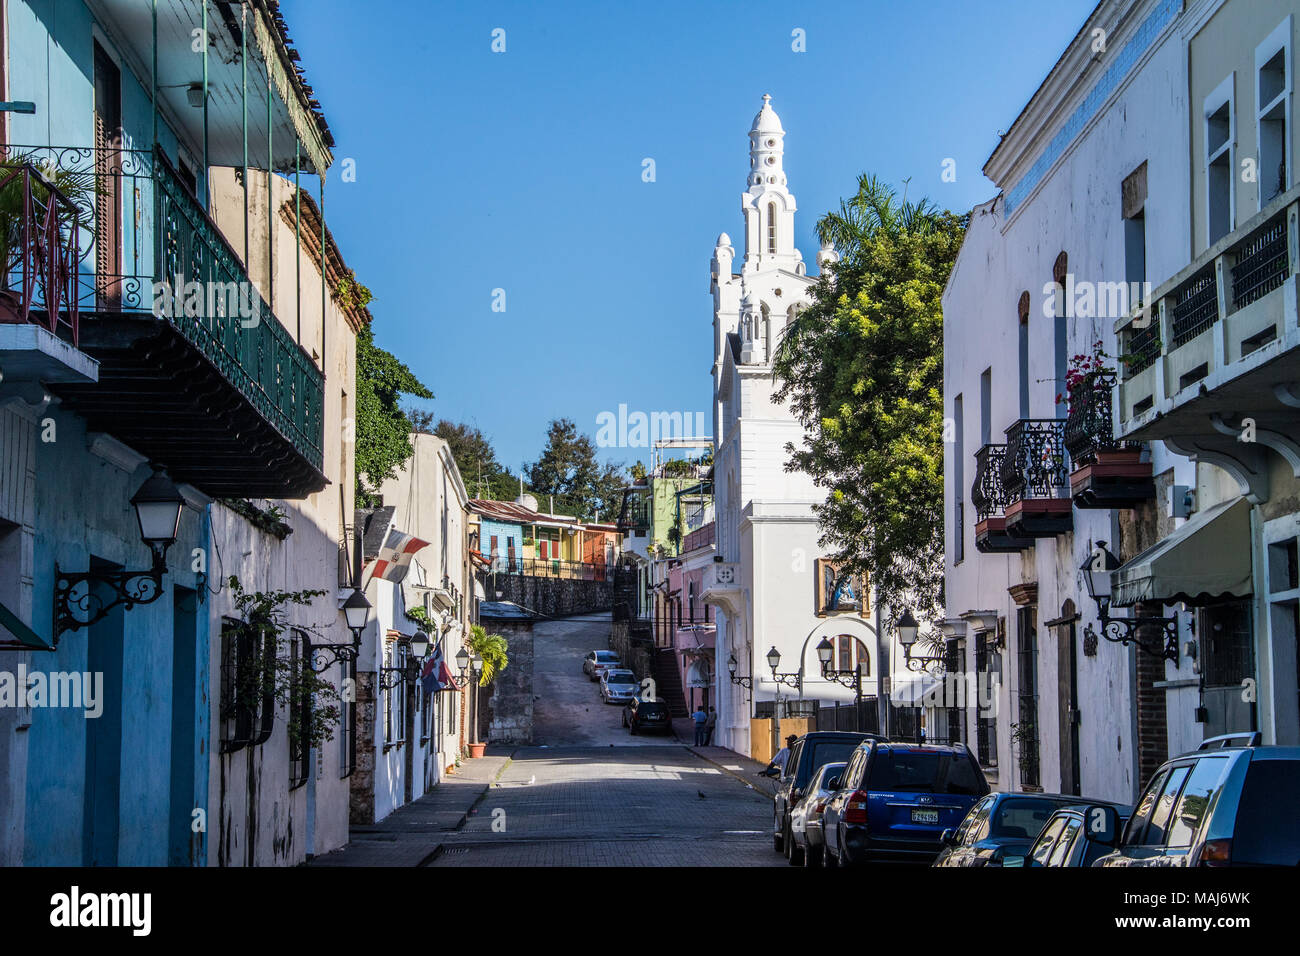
x: 115, y: 789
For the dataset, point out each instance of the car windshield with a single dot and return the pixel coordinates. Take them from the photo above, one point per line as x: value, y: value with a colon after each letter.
x: 927, y: 771
x: 827, y: 751
x: 617, y: 678
x: 1022, y: 819
x: 828, y: 773
x: 604, y: 657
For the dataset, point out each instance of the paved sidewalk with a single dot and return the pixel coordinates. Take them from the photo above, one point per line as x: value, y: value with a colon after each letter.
x: 411, y: 835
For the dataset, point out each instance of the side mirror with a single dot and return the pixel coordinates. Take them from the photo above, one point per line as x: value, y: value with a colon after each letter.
x: 1013, y: 861
x: 1102, y: 824
x: 948, y: 837
x: 833, y: 784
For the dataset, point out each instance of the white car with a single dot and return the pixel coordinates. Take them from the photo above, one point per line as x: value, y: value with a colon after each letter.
x: 618, y: 686
x: 595, y: 663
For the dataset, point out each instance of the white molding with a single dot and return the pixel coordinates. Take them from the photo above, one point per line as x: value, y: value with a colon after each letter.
x: 1278, y: 39
x: 1224, y: 93
x: 122, y: 456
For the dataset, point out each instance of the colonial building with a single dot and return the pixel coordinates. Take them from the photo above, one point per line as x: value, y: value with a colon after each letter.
x: 184, y: 351
x: 765, y: 578
x: 408, y: 709
x: 1050, y: 474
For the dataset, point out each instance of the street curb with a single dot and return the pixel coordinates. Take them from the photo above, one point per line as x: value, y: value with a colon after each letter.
x: 727, y: 770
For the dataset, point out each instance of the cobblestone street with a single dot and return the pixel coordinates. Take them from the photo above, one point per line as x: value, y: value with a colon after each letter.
x: 615, y: 806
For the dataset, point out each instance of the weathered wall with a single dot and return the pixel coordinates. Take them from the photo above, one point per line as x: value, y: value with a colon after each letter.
x: 555, y: 597
x: 510, y: 703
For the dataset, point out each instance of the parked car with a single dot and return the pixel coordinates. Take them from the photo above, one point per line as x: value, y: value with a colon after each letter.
x: 896, y: 799
x: 1230, y: 803
x: 1001, y: 825
x: 618, y: 686
x: 596, y: 661
x: 642, y: 715
x: 1075, y: 836
x: 806, y: 817
x: 808, y: 753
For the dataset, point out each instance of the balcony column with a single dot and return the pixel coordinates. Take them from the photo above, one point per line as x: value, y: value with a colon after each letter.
x: 270, y: 191
x: 207, y: 174
x: 297, y: 233
x: 1162, y: 366
x: 243, y: 106
x: 1223, y: 283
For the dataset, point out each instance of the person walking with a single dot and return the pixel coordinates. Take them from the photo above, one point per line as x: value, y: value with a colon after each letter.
x: 709, y: 726
x: 700, y: 718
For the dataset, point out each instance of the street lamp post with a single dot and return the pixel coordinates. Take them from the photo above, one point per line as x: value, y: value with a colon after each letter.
x: 849, y: 678
x: 791, y: 679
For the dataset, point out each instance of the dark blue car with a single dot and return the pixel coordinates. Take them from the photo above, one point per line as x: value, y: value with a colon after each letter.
x: 894, y: 800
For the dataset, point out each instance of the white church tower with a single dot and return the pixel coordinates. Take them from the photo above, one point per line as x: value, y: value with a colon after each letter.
x: 763, y: 579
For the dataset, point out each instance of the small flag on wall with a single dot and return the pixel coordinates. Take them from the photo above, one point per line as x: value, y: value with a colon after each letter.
x: 395, y: 556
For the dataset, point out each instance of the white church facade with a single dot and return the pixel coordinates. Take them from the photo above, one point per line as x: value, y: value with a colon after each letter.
x: 764, y: 581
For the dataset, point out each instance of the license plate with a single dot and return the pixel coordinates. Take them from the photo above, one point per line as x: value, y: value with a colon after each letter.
x: 925, y: 816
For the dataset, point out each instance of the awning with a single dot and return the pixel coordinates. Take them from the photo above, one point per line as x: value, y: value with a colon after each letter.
x: 1207, y: 558
x: 25, y: 639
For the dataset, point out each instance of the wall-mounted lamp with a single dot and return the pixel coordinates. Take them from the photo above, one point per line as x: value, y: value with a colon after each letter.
x: 158, y: 504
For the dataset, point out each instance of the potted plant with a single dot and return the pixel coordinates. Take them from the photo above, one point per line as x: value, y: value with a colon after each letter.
x: 490, y: 652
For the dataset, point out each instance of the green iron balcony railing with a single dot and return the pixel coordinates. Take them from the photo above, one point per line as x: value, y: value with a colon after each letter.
x: 149, y: 228
x: 254, y: 352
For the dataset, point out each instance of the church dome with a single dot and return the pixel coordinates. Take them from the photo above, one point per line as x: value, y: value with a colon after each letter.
x: 767, y: 121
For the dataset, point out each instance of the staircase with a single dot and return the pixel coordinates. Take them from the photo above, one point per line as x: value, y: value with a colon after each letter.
x: 668, y: 681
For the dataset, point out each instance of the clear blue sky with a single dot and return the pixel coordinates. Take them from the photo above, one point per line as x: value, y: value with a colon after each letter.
x: 522, y: 170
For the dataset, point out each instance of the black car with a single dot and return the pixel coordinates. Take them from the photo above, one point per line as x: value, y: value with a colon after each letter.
x: 895, y: 800
x: 647, y: 715
x: 808, y: 754
x: 1002, y: 825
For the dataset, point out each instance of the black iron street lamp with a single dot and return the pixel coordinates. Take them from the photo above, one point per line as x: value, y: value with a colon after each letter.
x: 908, y: 631
x: 356, y: 614
x: 1162, y: 633
x: 158, y: 504
x: 463, y: 663
x: 848, y: 678
x: 791, y: 678
x: 417, y: 647
x: 742, y: 681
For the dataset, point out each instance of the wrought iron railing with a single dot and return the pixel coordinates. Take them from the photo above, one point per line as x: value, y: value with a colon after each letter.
x: 987, y: 493
x: 506, y: 563
x: 1089, y: 428
x: 1143, y: 348
x: 1035, y: 462
x: 149, y: 228
x: 1262, y: 263
x: 1195, y: 306
x: 40, y: 235
x: 634, y: 516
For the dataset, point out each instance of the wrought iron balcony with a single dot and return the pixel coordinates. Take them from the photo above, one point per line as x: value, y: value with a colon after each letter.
x: 1221, y: 345
x: 39, y: 251
x: 206, y: 380
x: 989, y: 497
x: 1036, y: 479
x: 634, y: 516
x: 1107, y: 473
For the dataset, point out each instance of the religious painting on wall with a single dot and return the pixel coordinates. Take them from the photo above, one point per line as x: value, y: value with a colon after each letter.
x: 839, y: 592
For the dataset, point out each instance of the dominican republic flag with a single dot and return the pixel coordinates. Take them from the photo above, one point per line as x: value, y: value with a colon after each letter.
x: 396, y: 554
x: 436, y: 675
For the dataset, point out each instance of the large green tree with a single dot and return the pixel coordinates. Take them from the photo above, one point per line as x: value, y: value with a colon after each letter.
x: 862, y: 369
x: 383, y: 430
x: 483, y: 475
x: 568, y: 469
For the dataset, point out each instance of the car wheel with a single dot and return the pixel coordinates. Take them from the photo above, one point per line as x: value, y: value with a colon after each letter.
x: 813, y: 856
x: 793, y: 852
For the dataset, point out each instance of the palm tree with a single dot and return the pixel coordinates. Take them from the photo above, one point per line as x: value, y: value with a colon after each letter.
x: 874, y: 208
x: 491, y: 649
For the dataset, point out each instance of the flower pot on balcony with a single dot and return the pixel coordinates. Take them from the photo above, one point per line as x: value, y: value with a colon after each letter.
x: 477, y: 750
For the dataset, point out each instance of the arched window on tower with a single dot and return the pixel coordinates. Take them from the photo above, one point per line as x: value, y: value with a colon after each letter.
x: 771, y: 228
